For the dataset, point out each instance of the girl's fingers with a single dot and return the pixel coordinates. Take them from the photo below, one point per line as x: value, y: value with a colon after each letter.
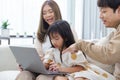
x: 53, y: 67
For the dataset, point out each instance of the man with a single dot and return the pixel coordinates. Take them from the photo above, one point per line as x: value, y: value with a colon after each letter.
x: 109, y: 53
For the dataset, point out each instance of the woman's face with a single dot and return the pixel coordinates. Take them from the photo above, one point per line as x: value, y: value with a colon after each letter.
x: 48, y: 14
x: 57, y: 40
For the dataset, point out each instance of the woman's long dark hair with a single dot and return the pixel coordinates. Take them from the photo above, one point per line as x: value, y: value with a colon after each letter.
x: 43, y: 26
x: 63, y: 28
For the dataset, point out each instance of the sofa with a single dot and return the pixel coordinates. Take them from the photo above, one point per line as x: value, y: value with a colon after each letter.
x: 8, y: 65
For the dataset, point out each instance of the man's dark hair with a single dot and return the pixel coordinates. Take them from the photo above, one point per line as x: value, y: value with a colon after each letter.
x: 114, y: 4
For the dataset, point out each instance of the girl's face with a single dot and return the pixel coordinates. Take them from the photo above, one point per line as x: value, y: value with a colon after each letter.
x: 48, y: 14
x: 57, y: 40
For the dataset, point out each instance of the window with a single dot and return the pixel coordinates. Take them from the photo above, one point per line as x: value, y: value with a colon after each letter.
x: 24, y: 15
x: 92, y: 25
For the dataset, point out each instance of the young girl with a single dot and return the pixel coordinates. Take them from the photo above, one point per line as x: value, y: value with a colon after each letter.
x: 61, y: 37
x: 75, y: 65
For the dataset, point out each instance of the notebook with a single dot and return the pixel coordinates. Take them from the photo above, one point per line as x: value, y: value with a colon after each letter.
x: 29, y: 59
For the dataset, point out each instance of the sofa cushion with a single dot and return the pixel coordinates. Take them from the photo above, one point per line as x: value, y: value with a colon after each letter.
x: 8, y: 75
x: 7, y: 60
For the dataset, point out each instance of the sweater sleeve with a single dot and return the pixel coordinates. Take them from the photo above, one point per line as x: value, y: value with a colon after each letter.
x: 107, y: 54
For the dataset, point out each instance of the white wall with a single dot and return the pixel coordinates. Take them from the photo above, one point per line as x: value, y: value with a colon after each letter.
x: 23, y: 15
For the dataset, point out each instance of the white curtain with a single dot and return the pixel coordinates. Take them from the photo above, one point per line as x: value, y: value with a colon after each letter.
x: 92, y: 26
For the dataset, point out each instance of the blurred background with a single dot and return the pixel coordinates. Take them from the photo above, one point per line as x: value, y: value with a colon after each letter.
x: 23, y: 17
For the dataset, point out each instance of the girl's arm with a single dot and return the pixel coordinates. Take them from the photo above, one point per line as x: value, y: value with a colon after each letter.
x: 71, y: 69
x: 57, y: 67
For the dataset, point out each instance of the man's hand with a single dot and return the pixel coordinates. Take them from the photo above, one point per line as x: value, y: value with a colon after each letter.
x: 71, y: 49
x: 20, y: 67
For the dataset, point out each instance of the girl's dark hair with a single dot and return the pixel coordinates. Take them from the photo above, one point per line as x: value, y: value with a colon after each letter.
x: 43, y: 26
x: 114, y: 4
x: 63, y: 28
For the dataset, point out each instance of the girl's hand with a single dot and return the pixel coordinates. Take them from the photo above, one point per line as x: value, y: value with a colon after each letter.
x: 54, y: 67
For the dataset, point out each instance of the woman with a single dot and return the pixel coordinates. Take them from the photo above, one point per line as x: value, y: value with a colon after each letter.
x: 50, y: 12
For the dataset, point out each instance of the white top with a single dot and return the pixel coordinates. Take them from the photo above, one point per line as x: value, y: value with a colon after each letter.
x: 42, y: 47
x: 46, y: 45
x: 92, y: 72
x: 68, y: 58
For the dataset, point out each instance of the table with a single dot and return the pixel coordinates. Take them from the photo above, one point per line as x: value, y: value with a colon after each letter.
x: 14, y: 36
x: 7, y: 38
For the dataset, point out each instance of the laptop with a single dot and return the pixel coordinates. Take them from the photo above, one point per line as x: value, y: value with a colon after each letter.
x: 29, y: 59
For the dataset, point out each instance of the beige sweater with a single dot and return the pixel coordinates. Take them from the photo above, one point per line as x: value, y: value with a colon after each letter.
x: 109, y: 53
